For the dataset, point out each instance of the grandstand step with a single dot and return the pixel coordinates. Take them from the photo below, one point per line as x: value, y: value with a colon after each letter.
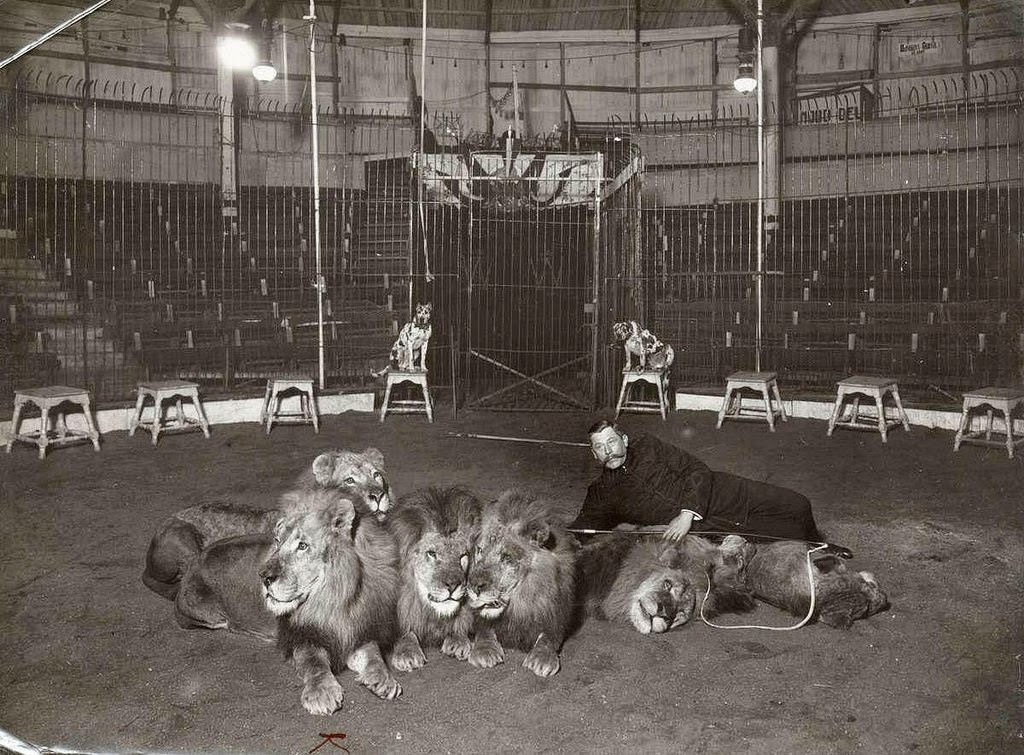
x: 8, y: 262
x: 21, y: 275
x: 34, y: 288
x: 56, y: 309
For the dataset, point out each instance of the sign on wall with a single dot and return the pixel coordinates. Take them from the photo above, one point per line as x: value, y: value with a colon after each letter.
x: 910, y: 48
x: 835, y: 106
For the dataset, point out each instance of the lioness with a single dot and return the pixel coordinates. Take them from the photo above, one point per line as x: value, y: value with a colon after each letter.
x: 777, y: 574
x: 437, y: 530
x: 521, y: 583
x: 653, y: 584
x: 326, y: 578
x: 179, y: 539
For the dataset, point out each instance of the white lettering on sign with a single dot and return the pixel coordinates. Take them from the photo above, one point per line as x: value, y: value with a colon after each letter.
x: 856, y: 103
x: 916, y: 48
x: 828, y: 115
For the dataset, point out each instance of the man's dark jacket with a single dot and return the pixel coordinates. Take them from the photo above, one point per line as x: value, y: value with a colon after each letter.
x: 656, y: 482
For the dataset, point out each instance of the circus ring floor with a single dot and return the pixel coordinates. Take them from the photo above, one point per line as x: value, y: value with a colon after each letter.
x: 92, y: 659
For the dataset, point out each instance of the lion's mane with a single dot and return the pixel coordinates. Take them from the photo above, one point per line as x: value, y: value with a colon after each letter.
x: 653, y: 584
x: 180, y: 538
x: 522, y: 578
x: 436, y: 529
x: 330, y: 578
x: 355, y: 601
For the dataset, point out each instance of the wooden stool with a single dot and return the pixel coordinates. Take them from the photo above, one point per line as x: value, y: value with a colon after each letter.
x: 765, y: 383
x: 48, y: 398
x: 657, y: 378
x: 411, y: 406
x: 161, y: 391
x: 858, y: 385
x: 307, y: 414
x: 1005, y: 400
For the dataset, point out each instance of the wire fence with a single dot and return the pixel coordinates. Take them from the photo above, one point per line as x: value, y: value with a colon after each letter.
x: 129, y: 251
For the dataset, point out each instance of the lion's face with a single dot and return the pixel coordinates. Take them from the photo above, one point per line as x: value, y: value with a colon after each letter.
x: 297, y: 565
x: 665, y: 599
x: 440, y: 568
x: 500, y: 563
x: 360, y: 476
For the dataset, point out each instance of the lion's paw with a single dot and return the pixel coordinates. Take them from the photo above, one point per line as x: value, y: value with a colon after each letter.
x: 457, y: 647
x: 542, y: 661
x: 323, y: 697
x: 383, y: 685
x: 407, y: 656
x: 486, y: 654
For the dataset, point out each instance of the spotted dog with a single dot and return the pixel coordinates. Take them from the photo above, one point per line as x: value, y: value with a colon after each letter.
x: 647, y: 347
x: 412, y: 340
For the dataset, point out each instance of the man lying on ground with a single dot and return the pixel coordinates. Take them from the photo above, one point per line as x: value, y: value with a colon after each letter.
x: 650, y: 482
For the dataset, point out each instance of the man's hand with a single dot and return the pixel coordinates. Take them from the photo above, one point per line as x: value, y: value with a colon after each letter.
x: 678, y: 527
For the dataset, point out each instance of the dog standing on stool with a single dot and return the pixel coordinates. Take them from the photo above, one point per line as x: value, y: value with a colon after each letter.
x: 647, y: 347
x: 412, y: 340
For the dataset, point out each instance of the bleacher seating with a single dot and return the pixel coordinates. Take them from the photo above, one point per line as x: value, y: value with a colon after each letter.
x: 919, y: 284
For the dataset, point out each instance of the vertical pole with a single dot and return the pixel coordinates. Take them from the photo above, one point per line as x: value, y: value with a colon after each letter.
x: 636, y: 64
x: 561, y: 91
x: 515, y: 104
x: 596, y: 288
x: 423, y: 76
x: 488, y: 118
x: 87, y: 71
x: 315, y: 147
x: 760, y: 186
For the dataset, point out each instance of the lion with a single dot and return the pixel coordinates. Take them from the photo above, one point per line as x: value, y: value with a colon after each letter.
x: 436, y: 531
x: 777, y: 574
x: 521, y: 582
x: 180, y: 538
x: 325, y: 583
x: 653, y: 584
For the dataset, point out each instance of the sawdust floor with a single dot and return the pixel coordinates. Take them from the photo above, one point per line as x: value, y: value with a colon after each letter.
x: 91, y: 658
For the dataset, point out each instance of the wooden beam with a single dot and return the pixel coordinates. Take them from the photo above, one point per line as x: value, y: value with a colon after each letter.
x: 362, y: 31
x: 381, y: 9
x: 613, y: 89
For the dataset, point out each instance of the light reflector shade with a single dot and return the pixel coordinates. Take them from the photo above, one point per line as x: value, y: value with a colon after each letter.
x: 745, y: 81
x: 264, y: 71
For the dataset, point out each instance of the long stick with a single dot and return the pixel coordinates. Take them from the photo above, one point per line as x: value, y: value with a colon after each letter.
x: 659, y: 529
x: 517, y: 440
x: 52, y: 33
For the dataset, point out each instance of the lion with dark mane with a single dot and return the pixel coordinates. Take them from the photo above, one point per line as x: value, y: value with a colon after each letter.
x: 653, y: 584
x: 521, y: 583
x: 777, y: 574
x: 328, y: 579
x: 436, y: 530
x: 178, y: 541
